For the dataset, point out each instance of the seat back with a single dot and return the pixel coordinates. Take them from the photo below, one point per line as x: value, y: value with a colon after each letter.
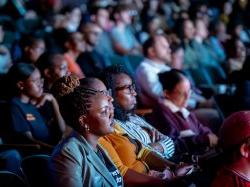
x: 8, y: 179
x: 35, y: 169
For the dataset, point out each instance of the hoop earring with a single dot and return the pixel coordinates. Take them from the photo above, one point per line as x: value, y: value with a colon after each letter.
x: 86, y: 127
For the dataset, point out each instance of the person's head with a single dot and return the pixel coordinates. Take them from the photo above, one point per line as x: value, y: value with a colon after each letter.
x: 91, y: 33
x: 25, y: 79
x: 52, y: 66
x: 177, y: 56
x: 33, y: 47
x: 74, y: 42
x: 85, y: 109
x: 72, y: 18
x: 234, y: 136
x: 201, y: 29
x: 100, y: 16
x: 122, y: 14
x: 176, y: 87
x: 123, y: 89
x: 157, y: 48
x: 188, y: 29
x: 236, y: 49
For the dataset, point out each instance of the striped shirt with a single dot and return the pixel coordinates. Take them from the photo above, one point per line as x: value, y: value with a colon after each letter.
x: 135, y: 127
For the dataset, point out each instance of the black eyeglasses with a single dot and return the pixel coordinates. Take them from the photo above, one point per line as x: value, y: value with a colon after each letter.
x: 130, y: 87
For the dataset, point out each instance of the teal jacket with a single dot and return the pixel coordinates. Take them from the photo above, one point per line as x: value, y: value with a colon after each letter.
x: 75, y: 164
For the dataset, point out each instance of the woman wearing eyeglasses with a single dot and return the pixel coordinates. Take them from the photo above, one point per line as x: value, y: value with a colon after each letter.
x: 78, y: 160
x: 28, y: 123
x: 172, y: 117
x: 124, y: 94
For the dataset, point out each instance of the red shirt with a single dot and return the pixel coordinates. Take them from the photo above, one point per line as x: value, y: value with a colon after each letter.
x: 230, y: 178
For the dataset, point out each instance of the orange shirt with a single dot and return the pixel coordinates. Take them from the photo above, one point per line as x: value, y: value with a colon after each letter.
x: 124, y: 153
x: 73, y: 67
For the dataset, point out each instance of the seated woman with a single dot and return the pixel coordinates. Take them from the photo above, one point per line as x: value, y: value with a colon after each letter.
x: 173, y: 119
x: 52, y: 67
x: 132, y: 160
x: 235, y: 141
x: 136, y: 162
x: 124, y: 94
x: 27, y: 123
x: 78, y: 160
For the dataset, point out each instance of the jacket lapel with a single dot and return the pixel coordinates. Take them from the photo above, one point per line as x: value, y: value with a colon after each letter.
x: 96, y: 162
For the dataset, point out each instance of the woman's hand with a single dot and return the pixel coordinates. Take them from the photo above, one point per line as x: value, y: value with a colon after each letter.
x: 183, y: 169
x: 45, y: 97
x: 213, y: 139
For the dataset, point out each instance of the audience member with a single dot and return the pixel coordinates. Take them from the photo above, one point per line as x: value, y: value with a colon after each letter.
x: 78, y: 160
x: 27, y: 123
x: 124, y: 94
x: 172, y: 118
x: 234, y: 139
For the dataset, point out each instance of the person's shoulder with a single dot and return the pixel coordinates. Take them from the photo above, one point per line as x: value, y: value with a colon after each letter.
x: 70, y: 147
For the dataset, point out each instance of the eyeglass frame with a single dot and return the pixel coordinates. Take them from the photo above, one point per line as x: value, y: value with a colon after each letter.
x: 130, y: 87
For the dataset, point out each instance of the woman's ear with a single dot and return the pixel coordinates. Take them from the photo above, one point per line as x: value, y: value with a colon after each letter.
x: 20, y: 85
x: 166, y: 93
x: 151, y: 52
x: 83, y: 123
x: 245, y: 150
x: 47, y: 73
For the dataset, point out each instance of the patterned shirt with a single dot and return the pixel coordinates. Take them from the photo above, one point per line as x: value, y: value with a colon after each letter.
x: 135, y: 127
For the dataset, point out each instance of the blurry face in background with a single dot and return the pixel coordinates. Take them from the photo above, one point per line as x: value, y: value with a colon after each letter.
x: 92, y: 35
x: 77, y: 42
x: 36, y: 50
x: 161, y: 49
x: 227, y: 8
x: 60, y: 67
x: 125, y: 17
x: 221, y: 27
x: 201, y: 29
x: 154, y: 25
x: 73, y: 19
x: 177, y: 59
x: 102, y: 18
x: 153, y: 5
x: 180, y: 94
x: 240, y: 50
x: 33, y: 86
x: 188, y: 29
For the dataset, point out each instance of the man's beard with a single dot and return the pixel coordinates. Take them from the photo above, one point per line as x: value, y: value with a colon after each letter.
x: 122, y: 114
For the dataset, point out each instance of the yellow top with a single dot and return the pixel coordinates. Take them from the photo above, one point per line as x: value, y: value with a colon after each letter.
x: 125, y: 152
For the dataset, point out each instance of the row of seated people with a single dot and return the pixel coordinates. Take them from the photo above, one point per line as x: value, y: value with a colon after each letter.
x: 139, y: 153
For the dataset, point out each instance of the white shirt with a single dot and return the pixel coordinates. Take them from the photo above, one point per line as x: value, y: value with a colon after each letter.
x: 148, y: 81
x: 185, y: 113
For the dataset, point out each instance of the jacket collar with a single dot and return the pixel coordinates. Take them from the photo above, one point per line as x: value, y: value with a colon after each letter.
x: 95, y: 160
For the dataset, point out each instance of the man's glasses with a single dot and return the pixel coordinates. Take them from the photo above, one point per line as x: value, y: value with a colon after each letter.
x: 130, y: 87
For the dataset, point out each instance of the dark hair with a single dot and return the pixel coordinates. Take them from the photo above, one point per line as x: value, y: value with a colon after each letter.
x: 169, y: 79
x: 175, y: 46
x: 149, y: 43
x: 95, y: 9
x: 28, y: 40
x: 88, y: 82
x: 19, y: 72
x: 108, y: 76
x: 73, y: 99
x: 46, y: 60
x: 118, y: 9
